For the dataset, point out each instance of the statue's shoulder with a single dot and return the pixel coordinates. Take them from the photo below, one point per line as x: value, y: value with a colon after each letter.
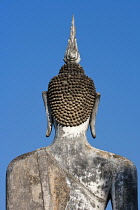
x: 24, y: 181
x: 111, y: 158
x: 116, y: 160
x: 29, y: 159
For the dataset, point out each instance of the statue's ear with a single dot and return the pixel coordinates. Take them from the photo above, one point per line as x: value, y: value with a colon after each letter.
x: 48, y: 113
x: 93, y: 115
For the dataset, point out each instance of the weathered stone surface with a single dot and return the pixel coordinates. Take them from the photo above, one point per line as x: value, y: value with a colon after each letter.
x: 71, y: 176
x: 24, y: 184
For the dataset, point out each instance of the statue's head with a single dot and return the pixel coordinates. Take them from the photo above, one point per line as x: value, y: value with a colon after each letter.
x: 71, y: 96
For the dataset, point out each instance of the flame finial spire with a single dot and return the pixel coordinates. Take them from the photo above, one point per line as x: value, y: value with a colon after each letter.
x: 72, y: 55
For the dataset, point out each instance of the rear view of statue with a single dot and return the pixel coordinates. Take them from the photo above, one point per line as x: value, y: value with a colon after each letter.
x: 70, y: 174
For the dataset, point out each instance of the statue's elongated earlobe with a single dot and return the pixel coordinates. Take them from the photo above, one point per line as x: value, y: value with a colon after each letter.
x: 93, y: 115
x: 48, y: 113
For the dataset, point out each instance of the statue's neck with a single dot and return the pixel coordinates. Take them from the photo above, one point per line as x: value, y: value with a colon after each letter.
x: 70, y: 136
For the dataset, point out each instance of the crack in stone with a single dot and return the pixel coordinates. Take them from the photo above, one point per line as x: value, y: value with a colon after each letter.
x: 41, y: 182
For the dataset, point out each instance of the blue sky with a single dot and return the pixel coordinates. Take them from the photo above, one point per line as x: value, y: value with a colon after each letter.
x: 34, y: 37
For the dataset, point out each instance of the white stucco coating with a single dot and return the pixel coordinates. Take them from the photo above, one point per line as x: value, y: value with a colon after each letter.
x: 72, y: 132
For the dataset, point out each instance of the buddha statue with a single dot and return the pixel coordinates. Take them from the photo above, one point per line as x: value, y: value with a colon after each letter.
x: 70, y: 174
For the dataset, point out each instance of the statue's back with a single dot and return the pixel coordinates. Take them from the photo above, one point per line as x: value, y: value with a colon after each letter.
x: 70, y: 174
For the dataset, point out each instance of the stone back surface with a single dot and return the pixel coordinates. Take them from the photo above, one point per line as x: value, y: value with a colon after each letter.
x: 71, y: 95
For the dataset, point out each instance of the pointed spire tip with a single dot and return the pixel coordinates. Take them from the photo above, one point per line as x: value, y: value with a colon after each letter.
x: 72, y: 55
